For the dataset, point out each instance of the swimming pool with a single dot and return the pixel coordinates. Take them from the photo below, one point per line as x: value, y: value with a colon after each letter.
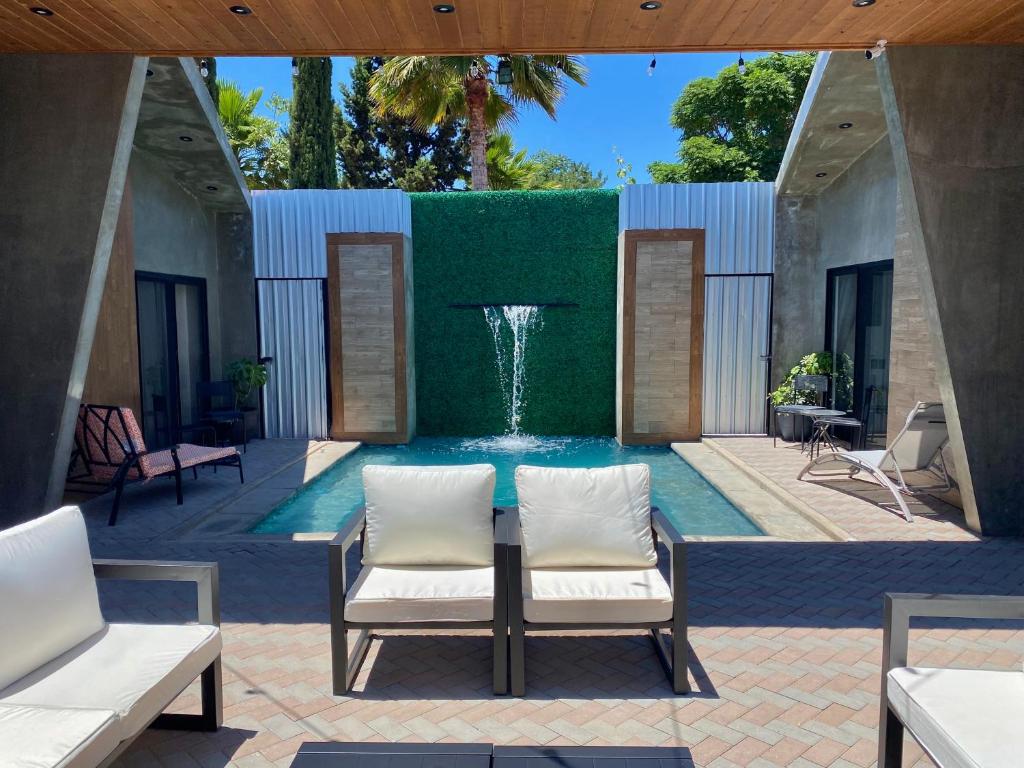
x: 689, y: 500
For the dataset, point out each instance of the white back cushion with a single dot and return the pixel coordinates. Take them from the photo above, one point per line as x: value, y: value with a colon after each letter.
x: 429, y: 515
x: 577, y: 518
x: 48, y: 600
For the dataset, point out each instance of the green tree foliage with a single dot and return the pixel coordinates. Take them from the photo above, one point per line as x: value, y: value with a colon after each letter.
x: 735, y: 126
x: 554, y: 171
x: 313, y: 162
x: 389, y: 152
x: 508, y: 168
x: 432, y: 90
x: 259, y: 147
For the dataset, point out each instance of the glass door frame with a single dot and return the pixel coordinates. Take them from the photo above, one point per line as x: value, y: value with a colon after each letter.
x: 169, y: 281
x: 863, y: 308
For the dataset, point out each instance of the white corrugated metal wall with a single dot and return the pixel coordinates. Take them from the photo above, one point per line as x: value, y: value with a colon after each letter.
x: 739, y: 223
x: 290, y: 250
x: 291, y: 267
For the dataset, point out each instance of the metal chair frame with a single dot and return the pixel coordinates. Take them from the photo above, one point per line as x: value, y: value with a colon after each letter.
x: 673, y: 654
x: 100, y: 452
x: 346, y: 661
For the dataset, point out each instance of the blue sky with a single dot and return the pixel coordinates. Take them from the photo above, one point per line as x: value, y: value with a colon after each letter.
x: 621, y: 106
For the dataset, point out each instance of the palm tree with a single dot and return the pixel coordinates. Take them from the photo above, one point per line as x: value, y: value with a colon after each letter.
x: 255, y: 139
x: 434, y: 89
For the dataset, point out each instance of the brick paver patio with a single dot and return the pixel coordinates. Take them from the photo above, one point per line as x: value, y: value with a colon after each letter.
x: 785, y: 636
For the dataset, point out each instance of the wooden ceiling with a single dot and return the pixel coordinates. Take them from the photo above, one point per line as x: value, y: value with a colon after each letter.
x: 317, y: 27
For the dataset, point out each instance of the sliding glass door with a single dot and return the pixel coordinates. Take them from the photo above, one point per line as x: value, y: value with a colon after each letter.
x: 173, y: 353
x: 858, y: 328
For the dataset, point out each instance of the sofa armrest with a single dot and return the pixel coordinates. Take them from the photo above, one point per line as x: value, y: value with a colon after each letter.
x: 676, y: 545
x: 900, y: 608
x: 206, y: 577
x: 337, y: 574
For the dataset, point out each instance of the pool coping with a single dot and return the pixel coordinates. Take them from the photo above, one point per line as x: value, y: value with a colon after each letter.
x: 779, y: 518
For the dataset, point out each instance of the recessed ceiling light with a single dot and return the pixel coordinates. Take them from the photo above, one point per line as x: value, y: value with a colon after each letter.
x: 240, y: 10
x: 844, y: 126
x: 820, y: 175
x: 185, y: 138
x: 862, y: 3
x: 650, y: 5
x: 149, y: 73
x: 444, y: 8
x: 211, y: 188
x: 38, y: 10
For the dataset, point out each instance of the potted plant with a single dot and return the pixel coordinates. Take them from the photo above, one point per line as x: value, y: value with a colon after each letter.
x: 814, y: 364
x: 246, y: 376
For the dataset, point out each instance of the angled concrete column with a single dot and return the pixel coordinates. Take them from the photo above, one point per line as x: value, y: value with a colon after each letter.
x: 954, y: 117
x: 66, y: 130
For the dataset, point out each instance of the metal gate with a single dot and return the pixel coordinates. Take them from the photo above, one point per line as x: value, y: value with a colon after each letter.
x: 291, y: 331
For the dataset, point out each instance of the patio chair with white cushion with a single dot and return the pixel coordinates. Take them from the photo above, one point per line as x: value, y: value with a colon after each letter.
x: 916, y: 448
x: 74, y: 689
x: 963, y: 718
x: 431, y: 560
x: 582, y: 555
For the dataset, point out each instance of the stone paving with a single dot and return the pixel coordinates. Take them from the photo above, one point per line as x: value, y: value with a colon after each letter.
x: 785, y: 635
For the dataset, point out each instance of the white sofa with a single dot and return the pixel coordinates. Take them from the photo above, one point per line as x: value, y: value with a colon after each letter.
x: 431, y: 560
x: 963, y: 718
x: 75, y: 690
x: 582, y: 555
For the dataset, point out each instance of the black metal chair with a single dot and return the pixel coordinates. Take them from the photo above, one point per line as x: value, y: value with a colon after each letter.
x: 217, y: 407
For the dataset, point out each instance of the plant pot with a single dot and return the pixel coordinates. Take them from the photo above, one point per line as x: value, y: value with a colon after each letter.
x: 793, y: 427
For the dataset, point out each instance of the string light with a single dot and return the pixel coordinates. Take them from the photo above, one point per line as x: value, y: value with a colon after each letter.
x: 742, y: 65
x: 295, y: 67
x: 204, y: 68
x: 651, y: 66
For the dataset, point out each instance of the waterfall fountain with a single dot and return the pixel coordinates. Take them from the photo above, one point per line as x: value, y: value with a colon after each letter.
x: 510, y: 361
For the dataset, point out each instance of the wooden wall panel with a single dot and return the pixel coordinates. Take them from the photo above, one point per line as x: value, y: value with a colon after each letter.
x: 661, y: 338
x: 367, y: 276
x: 113, y: 376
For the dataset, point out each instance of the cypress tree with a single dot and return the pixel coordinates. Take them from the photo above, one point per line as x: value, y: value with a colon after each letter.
x: 311, y: 137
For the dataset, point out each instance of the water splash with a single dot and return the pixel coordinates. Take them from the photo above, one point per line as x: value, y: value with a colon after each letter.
x: 520, y: 319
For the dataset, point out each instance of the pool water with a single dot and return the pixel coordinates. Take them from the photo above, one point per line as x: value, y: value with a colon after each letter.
x: 691, y: 502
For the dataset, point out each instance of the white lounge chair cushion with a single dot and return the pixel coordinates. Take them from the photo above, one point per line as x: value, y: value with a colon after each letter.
x: 596, y: 595
x: 136, y: 670
x: 48, y: 600
x: 45, y: 737
x: 966, y: 718
x: 421, y: 593
x: 574, y: 518
x: 429, y: 515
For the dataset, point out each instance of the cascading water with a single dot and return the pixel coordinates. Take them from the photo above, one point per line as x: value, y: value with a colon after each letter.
x: 510, y: 326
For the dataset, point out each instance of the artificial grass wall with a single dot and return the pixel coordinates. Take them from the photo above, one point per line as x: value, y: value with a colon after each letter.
x: 515, y: 248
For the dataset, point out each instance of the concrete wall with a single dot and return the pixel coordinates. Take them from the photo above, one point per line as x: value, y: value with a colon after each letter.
x: 960, y: 168
x: 852, y: 222
x: 174, y: 234
x: 66, y: 128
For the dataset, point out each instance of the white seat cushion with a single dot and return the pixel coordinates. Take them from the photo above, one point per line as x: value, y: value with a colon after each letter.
x: 965, y: 718
x: 596, y: 595
x: 45, y: 737
x: 578, y: 518
x: 48, y: 600
x: 421, y: 593
x: 429, y: 515
x: 133, y: 669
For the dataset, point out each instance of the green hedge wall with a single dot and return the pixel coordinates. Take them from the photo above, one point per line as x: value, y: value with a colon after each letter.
x: 515, y: 248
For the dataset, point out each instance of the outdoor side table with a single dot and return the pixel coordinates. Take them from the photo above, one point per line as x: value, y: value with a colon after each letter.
x: 380, y: 755
x: 795, y: 410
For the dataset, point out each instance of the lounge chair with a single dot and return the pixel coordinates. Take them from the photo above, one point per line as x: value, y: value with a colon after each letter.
x: 109, y: 452
x: 960, y: 717
x: 916, y: 448
x: 76, y: 690
x: 431, y: 560
x: 582, y: 555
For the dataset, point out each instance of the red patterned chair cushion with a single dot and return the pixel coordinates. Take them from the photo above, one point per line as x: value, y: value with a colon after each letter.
x: 161, y: 462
